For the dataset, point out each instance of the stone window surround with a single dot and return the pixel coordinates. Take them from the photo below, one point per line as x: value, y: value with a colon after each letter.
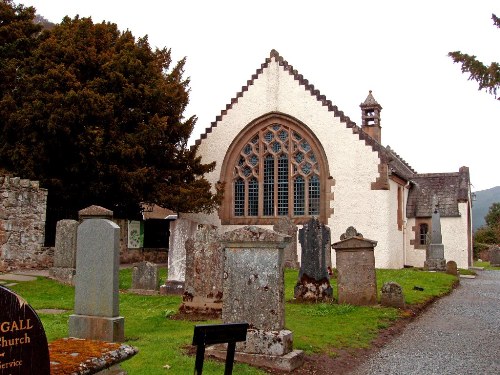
x: 415, y: 242
x: 326, y: 181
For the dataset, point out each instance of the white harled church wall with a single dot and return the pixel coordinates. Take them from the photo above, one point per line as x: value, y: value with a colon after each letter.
x: 414, y: 257
x: 455, y: 239
x: 353, y: 165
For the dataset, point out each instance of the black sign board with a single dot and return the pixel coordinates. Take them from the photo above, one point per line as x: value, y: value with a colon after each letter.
x: 23, y: 344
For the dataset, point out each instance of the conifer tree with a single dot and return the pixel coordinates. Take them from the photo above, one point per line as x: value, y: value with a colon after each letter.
x: 488, y: 77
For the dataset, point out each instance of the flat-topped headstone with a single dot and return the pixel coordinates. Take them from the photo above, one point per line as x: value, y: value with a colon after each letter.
x: 356, y: 278
x: 286, y: 226
x: 495, y: 256
x: 204, y: 270
x: 96, y: 285
x: 65, y: 251
x: 313, y: 283
x: 392, y: 295
x: 23, y: 344
x: 145, y: 276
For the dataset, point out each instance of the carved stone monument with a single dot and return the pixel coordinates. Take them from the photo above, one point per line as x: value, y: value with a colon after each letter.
x: 180, y: 231
x: 356, y: 278
x: 96, y: 285
x: 285, y: 226
x: 254, y: 290
x: 23, y: 344
x: 314, y: 283
x: 65, y: 251
x: 204, y: 271
x: 434, y: 256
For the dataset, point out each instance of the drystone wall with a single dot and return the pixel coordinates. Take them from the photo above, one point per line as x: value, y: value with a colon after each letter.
x: 23, y: 207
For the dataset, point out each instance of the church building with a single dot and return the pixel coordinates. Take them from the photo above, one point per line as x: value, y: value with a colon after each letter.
x: 283, y: 149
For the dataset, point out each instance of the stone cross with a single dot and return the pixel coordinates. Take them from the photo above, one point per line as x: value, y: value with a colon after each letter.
x: 96, y: 285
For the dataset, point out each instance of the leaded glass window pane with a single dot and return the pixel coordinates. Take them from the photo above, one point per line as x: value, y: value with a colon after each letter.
x: 239, y: 197
x: 283, y: 185
x: 314, y: 194
x: 253, y: 197
x: 269, y: 186
x: 299, y: 196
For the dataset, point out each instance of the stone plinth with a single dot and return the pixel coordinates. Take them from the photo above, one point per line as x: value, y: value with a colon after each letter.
x: 356, y: 280
x: 254, y: 292
x: 286, y: 226
x: 495, y: 256
x: 204, y: 270
x: 96, y: 284
x: 392, y: 295
x: 64, y: 268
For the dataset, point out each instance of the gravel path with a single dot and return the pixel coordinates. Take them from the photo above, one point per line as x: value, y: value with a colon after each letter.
x: 458, y: 334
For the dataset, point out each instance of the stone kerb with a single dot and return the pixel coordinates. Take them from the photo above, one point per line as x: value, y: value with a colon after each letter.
x: 65, y: 251
x: 204, y: 270
x: 96, y: 282
x: 254, y: 292
x: 356, y: 279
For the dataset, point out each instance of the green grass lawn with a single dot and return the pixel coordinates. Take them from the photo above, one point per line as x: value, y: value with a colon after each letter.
x: 486, y: 265
x: 317, y: 328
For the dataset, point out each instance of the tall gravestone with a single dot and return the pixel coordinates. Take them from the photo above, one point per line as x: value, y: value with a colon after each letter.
x: 286, y: 226
x: 314, y: 283
x: 434, y: 259
x: 96, y: 285
x: 356, y: 278
x: 180, y: 231
x: 204, y: 269
x: 254, y: 292
x: 64, y: 268
x: 23, y: 344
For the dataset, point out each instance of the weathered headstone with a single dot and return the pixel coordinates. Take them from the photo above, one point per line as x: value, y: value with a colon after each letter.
x: 96, y: 284
x: 145, y: 276
x: 451, y: 268
x: 286, y: 226
x: 254, y: 292
x: 392, y: 295
x: 495, y: 256
x: 314, y: 283
x: 434, y: 259
x: 23, y: 344
x: 180, y: 231
x: 356, y: 278
x: 204, y: 271
x: 65, y: 251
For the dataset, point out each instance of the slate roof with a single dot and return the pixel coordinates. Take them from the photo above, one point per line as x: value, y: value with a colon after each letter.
x: 444, y: 189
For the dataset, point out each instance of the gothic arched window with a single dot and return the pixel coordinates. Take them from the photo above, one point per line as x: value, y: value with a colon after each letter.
x: 274, y: 169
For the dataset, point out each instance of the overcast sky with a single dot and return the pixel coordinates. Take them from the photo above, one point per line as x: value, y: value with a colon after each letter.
x: 432, y: 116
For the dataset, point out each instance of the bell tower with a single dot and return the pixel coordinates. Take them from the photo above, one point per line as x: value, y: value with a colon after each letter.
x: 370, y: 117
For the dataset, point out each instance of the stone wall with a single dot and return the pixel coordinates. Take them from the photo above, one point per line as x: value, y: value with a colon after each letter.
x: 22, y: 224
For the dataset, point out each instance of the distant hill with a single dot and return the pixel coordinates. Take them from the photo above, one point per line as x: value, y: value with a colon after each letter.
x: 480, y: 207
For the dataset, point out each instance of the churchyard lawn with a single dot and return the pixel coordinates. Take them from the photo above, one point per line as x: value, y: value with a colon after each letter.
x: 163, y: 342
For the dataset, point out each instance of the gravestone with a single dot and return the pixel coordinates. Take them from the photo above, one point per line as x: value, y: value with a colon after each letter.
x: 96, y: 284
x: 451, y: 268
x: 145, y: 276
x: 356, y: 278
x: 254, y: 292
x: 65, y: 251
x: 180, y: 231
x: 204, y: 271
x: 495, y: 256
x: 434, y: 257
x: 314, y: 283
x: 23, y: 344
x: 392, y: 295
x: 286, y: 226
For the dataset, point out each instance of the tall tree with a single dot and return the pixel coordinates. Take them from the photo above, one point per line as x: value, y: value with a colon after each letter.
x: 488, y: 77
x: 97, y: 117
